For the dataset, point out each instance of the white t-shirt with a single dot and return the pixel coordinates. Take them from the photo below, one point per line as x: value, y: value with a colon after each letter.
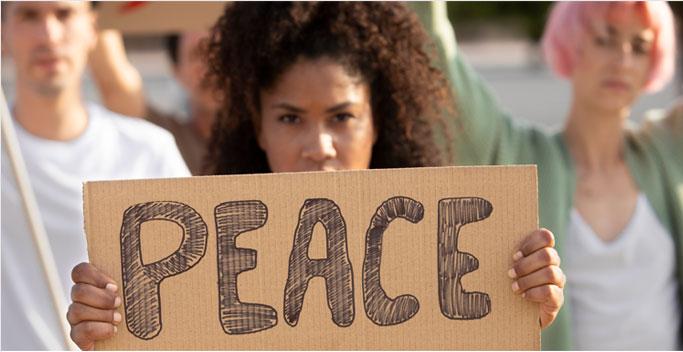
x: 623, y: 293
x: 112, y: 147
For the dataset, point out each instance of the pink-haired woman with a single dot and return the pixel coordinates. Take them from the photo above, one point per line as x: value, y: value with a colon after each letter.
x: 613, y: 194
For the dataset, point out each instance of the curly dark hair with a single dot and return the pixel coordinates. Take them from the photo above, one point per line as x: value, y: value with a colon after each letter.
x: 252, y: 44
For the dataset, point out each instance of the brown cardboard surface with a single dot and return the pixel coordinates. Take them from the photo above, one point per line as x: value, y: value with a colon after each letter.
x: 190, y: 313
x: 158, y: 17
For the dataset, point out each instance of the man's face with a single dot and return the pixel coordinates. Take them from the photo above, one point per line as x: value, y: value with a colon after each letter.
x: 49, y: 42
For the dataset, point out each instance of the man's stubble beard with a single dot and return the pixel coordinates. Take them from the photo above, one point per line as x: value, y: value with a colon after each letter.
x: 52, y: 86
x: 50, y: 89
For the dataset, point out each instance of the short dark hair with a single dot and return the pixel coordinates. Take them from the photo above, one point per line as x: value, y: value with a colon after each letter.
x: 172, y: 42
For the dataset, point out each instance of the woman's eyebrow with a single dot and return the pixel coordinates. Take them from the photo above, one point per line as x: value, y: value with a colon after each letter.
x: 289, y: 107
x: 644, y: 38
x: 340, y: 106
x: 640, y: 37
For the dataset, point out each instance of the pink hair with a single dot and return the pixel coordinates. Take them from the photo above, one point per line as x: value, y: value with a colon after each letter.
x: 568, y: 21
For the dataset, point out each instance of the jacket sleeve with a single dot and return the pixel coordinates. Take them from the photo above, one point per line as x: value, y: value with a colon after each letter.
x: 482, y: 133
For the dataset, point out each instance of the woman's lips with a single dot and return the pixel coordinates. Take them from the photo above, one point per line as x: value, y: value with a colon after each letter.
x: 616, y: 84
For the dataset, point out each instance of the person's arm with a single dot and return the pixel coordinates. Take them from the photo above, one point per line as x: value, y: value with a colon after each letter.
x: 118, y: 80
x: 663, y: 128
x: 673, y: 124
x: 482, y: 132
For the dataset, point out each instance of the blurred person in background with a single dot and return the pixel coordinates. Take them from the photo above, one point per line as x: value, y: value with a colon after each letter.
x: 122, y: 89
x: 64, y: 142
x: 610, y: 191
x: 189, y: 68
x: 338, y: 86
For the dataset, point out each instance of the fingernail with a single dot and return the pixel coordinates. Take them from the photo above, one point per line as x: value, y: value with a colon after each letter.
x: 117, y: 301
x: 524, y: 295
x: 117, y: 317
x: 116, y: 329
x: 111, y: 287
x: 512, y: 273
x: 515, y: 286
x: 517, y: 256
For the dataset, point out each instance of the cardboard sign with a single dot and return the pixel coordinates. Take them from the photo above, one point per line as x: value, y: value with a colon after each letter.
x: 158, y: 17
x: 374, y: 259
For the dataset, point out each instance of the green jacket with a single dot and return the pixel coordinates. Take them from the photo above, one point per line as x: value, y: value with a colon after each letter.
x: 484, y: 134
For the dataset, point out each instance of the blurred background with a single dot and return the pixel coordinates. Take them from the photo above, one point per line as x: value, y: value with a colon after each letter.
x: 500, y: 39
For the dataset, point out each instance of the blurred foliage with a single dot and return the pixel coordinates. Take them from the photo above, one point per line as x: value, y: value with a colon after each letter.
x: 531, y: 15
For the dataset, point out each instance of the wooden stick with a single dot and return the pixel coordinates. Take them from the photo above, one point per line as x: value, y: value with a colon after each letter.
x: 40, y: 240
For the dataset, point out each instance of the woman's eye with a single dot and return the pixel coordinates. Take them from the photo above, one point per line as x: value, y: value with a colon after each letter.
x: 640, y: 48
x: 603, y: 41
x: 289, y: 119
x: 342, y: 117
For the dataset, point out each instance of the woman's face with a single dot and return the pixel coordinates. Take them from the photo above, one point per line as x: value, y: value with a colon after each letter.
x: 613, y: 61
x: 317, y: 117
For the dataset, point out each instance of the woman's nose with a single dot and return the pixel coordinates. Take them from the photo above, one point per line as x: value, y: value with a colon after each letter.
x: 319, y: 145
x: 625, y: 53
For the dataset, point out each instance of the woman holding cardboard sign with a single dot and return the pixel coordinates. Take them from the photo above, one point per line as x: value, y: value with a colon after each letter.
x: 329, y: 86
x: 612, y: 194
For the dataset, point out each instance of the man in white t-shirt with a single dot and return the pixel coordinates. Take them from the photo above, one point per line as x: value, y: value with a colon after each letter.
x: 64, y: 142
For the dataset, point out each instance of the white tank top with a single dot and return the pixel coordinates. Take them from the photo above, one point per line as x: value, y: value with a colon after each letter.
x: 623, y: 293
